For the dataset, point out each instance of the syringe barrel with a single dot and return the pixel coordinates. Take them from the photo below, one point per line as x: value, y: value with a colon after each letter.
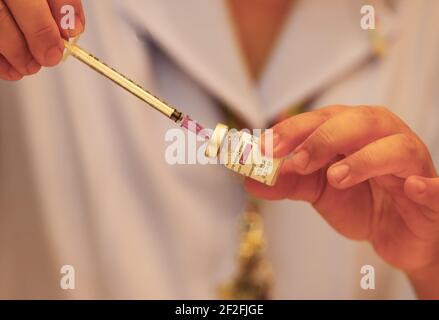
x: 121, y: 80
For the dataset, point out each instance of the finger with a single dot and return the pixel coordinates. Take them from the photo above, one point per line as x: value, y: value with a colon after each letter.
x: 342, y: 134
x: 314, y: 189
x: 288, y: 134
x: 424, y: 191
x: 13, y: 46
x: 399, y: 155
x: 61, y: 10
x: 7, y: 72
x: 39, y: 28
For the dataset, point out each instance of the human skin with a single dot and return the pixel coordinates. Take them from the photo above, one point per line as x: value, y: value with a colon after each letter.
x: 31, y: 37
x: 370, y: 177
x: 257, y: 25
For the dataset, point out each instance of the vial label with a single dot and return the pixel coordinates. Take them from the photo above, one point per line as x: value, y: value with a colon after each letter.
x: 243, y: 155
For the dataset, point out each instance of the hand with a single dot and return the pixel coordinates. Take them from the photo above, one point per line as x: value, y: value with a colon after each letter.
x: 31, y: 35
x: 369, y: 176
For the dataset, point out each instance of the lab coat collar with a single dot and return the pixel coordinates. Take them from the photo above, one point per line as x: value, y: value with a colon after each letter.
x: 198, y: 35
x: 322, y: 42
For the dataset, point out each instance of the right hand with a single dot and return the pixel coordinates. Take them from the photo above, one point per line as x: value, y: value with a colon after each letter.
x: 31, y: 35
x: 370, y: 177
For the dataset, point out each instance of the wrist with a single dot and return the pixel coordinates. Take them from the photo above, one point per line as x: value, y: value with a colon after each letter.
x: 426, y: 281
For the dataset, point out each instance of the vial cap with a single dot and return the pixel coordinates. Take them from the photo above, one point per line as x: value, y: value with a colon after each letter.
x: 215, y: 141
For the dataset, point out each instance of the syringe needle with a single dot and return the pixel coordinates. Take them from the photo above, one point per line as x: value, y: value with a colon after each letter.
x: 123, y: 81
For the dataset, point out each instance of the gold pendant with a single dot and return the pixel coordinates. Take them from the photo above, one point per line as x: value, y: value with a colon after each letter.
x: 254, y: 278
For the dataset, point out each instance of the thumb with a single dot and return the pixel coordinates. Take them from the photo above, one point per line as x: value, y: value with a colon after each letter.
x: 424, y: 191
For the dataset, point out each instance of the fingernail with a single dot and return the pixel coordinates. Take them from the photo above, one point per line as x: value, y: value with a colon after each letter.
x: 419, y: 185
x: 33, y: 67
x: 340, y: 172
x: 301, y: 159
x: 53, y: 55
x: 14, y: 74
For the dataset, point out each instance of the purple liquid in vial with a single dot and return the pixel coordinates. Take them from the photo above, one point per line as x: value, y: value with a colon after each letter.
x: 195, y: 127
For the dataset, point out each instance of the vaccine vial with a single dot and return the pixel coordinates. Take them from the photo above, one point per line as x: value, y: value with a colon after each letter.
x: 239, y: 151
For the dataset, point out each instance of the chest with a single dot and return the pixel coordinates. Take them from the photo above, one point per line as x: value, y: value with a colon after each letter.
x: 257, y: 25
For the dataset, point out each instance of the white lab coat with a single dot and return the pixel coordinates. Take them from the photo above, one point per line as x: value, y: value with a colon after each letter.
x: 83, y: 176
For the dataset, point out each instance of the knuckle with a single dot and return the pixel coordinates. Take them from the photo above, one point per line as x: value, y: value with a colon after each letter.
x: 329, y: 111
x: 382, y: 112
x: 410, y: 145
x: 325, y: 114
x: 365, y: 156
x: 19, y: 55
x: 367, y: 111
x: 19, y: 51
x: 415, y: 153
x: 46, y: 33
x: 369, y: 116
x: 321, y: 138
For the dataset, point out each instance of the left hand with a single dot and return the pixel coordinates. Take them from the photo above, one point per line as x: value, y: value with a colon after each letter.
x: 31, y: 35
x: 368, y: 174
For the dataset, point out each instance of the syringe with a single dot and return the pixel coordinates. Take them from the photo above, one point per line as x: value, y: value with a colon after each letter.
x: 132, y: 87
x: 265, y: 172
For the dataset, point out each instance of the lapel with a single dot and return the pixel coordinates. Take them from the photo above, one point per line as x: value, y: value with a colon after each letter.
x: 321, y: 41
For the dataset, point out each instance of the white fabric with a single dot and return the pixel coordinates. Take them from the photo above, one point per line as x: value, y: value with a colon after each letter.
x: 84, y: 181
